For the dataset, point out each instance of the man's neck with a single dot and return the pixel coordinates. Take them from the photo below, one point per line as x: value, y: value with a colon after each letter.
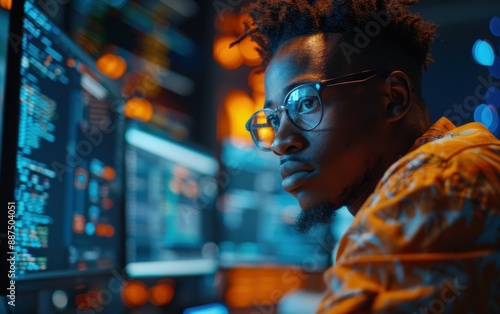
x: 397, y: 149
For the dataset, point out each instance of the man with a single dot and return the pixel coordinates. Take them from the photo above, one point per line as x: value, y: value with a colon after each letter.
x: 345, y: 114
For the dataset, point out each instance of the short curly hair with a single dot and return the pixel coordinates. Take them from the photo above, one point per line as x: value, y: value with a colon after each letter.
x: 275, y: 21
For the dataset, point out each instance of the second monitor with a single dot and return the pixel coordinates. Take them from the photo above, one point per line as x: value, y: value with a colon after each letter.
x: 170, y: 190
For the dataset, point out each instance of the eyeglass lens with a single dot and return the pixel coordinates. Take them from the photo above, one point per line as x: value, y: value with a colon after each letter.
x: 304, y: 109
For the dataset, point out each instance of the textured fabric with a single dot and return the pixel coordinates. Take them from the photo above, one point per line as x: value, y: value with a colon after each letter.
x: 428, y: 239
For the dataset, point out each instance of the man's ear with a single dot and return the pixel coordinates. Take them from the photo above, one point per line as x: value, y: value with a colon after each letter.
x: 400, y: 90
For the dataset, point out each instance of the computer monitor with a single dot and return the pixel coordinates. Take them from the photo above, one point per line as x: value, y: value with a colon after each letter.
x: 170, y: 194
x: 257, y: 218
x: 62, y: 157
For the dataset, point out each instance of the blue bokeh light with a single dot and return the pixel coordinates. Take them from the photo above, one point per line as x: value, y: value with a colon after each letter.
x: 488, y: 116
x: 89, y: 228
x: 483, y: 52
x: 495, y: 26
x: 495, y: 122
x: 478, y: 112
x: 495, y: 68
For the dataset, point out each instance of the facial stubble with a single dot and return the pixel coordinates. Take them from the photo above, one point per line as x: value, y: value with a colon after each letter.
x: 324, y: 212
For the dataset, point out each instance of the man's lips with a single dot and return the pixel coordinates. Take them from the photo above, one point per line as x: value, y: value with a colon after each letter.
x: 294, y: 172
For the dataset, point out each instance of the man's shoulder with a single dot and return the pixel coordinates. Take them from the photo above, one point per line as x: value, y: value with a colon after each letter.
x: 466, y: 141
x: 462, y: 142
x: 469, y: 144
x: 464, y: 151
x: 463, y: 158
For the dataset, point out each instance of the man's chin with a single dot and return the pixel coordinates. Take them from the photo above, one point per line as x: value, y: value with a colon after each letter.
x: 314, y: 215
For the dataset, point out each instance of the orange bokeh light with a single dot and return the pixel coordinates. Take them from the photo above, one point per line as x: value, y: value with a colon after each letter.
x: 239, y: 107
x: 259, y: 99
x: 229, y: 58
x: 180, y: 171
x: 240, y: 296
x: 161, y: 294
x: 71, y: 62
x: 107, y: 203
x: 248, y: 286
x: 109, y: 173
x: 111, y: 65
x: 266, y: 134
x: 139, y: 108
x: 250, y: 55
x: 6, y: 4
x: 135, y: 293
x: 78, y: 224
x: 104, y: 230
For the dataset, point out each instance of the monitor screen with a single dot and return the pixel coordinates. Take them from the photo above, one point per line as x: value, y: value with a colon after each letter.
x: 170, y: 189
x: 258, y: 218
x: 63, y: 157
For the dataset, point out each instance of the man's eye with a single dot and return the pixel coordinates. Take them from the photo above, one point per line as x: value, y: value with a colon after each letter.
x: 308, y: 105
x: 273, y: 121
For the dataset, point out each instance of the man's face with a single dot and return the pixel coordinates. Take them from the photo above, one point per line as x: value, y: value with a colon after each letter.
x: 334, y: 163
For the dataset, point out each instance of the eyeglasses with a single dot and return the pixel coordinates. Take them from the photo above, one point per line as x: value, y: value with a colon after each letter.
x: 303, y: 106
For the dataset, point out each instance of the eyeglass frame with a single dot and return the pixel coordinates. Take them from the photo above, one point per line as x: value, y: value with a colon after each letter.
x: 319, y: 86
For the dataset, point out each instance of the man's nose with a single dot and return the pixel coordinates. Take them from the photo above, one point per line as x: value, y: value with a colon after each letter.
x: 288, y: 138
